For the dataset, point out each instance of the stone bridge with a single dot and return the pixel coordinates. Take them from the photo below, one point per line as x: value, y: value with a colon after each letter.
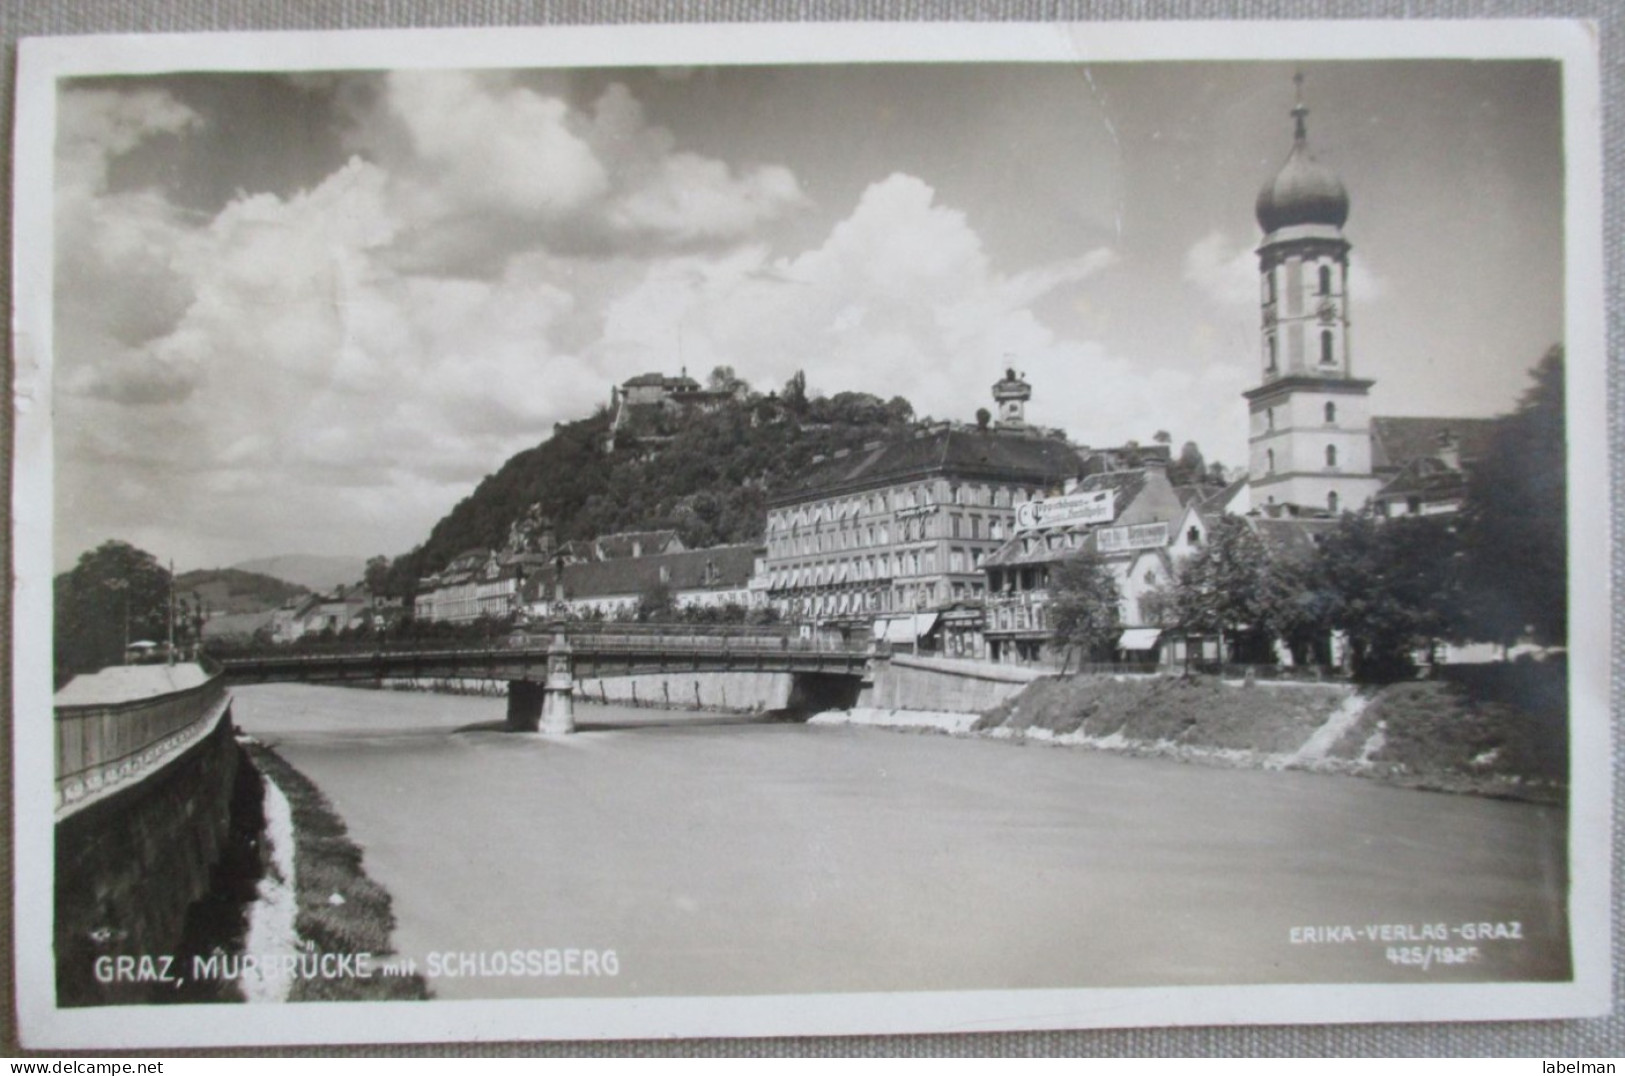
x: 545, y: 671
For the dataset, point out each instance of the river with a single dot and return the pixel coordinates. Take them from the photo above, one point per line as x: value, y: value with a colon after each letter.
x: 719, y: 856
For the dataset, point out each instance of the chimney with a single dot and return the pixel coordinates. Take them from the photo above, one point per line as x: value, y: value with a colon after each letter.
x: 1449, y: 452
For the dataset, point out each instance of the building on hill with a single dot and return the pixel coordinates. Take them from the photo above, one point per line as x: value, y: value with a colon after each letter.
x: 1314, y: 448
x: 895, y: 528
x: 613, y: 587
x: 657, y: 391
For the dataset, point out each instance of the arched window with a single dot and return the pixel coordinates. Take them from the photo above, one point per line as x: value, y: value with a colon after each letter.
x: 1331, y: 412
x: 1331, y: 502
x: 1269, y: 459
x: 1269, y: 418
x: 1325, y: 280
x: 1331, y: 455
x: 1270, y: 340
x: 1327, y: 358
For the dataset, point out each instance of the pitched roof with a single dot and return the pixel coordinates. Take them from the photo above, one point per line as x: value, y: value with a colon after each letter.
x: 1041, y: 547
x: 1395, y: 441
x: 636, y: 543
x: 954, y: 451
x: 1425, y: 477
x: 1290, y: 538
x: 723, y: 567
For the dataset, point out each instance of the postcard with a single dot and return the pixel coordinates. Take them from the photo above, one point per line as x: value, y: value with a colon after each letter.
x: 650, y: 531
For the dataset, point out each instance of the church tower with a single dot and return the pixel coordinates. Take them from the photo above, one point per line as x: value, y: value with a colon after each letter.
x: 1309, y: 437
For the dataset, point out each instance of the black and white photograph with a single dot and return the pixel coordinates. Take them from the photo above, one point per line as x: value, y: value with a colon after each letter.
x: 625, y: 532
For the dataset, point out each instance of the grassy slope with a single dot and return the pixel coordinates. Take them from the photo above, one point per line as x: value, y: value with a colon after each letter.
x: 1503, y: 732
x: 1190, y: 711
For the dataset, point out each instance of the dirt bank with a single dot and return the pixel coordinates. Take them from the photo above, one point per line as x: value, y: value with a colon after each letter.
x: 1500, y: 734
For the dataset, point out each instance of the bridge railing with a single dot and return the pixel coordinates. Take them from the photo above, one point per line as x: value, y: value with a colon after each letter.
x: 642, y: 640
x: 103, y: 743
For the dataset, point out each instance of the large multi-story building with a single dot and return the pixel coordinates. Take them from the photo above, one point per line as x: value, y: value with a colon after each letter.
x: 903, y: 526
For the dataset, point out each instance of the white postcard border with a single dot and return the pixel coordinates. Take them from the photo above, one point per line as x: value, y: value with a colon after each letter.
x: 43, y: 61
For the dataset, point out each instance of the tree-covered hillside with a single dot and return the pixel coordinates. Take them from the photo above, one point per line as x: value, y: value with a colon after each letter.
x: 707, y: 474
x: 230, y: 590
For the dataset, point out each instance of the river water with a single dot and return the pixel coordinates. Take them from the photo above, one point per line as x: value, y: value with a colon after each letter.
x: 715, y: 855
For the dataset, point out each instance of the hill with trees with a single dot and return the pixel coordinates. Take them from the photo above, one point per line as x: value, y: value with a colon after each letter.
x: 231, y: 590
x: 706, y: 473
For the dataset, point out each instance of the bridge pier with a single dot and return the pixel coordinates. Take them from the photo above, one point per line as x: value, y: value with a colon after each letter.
x: 876, y: 689
x: 524, y: 705
x: 558, y: 704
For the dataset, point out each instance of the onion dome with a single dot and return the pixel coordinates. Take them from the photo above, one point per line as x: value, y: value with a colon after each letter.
x: 1304, y: 191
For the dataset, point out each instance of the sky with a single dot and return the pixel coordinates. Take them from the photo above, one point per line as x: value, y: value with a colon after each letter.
x: 307, y: 313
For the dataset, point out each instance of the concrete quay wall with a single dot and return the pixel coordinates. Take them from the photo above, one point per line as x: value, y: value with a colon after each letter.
x: 945, y: 685
x: 129, y: 865
x: 731, y: 692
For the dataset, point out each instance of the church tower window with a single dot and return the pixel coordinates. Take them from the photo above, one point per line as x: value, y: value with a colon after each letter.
x: 1327, y: 356
x: 1325, y: 280
x: 1331, y: 502
x: 1331, y: 413
x: 1331, y: 455
x: 1273, y: 359
x: 1269, y: 459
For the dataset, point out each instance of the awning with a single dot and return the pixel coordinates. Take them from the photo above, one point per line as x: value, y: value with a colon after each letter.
x: 1139, y: 639
x: 900, y: 629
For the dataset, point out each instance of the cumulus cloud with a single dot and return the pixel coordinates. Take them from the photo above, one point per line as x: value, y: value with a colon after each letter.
x: 1227, y: 273
x: 900, y: 298
x: 487, y: 168
x: 338, y: 366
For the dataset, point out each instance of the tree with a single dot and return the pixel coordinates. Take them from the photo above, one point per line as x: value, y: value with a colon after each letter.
x: 1515, y: 563
x: 657, y: 602
x: 1224, y: 588
x: 1190, y: 469
x: 115, y: 595
x: 795, y: 392
x: 1085, y: 604
x: 377, y: 576
x: 1391, y: 587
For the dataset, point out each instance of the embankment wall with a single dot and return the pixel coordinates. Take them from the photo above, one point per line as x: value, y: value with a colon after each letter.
x: 129, y: 865
x: 732, y: 692
x: 937, y: 684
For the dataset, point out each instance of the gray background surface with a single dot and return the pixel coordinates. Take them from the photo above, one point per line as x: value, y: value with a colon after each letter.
x: 1578, y: 1038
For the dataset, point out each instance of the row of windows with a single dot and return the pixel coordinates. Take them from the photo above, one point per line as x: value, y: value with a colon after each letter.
x: 1323, y: 288
x: 916, y: 562
x: 1269, y: 458
x: 1330, y: 411
x: 895, y: 599
x: 847, y: 509
x: 916, y: 529
x: 1328, y: 350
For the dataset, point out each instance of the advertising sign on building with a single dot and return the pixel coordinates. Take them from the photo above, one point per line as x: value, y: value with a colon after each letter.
x: 1140, y: 536
x: 1098, y: 506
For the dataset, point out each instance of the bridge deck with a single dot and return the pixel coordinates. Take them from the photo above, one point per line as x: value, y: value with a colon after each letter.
x: 597, y: 654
